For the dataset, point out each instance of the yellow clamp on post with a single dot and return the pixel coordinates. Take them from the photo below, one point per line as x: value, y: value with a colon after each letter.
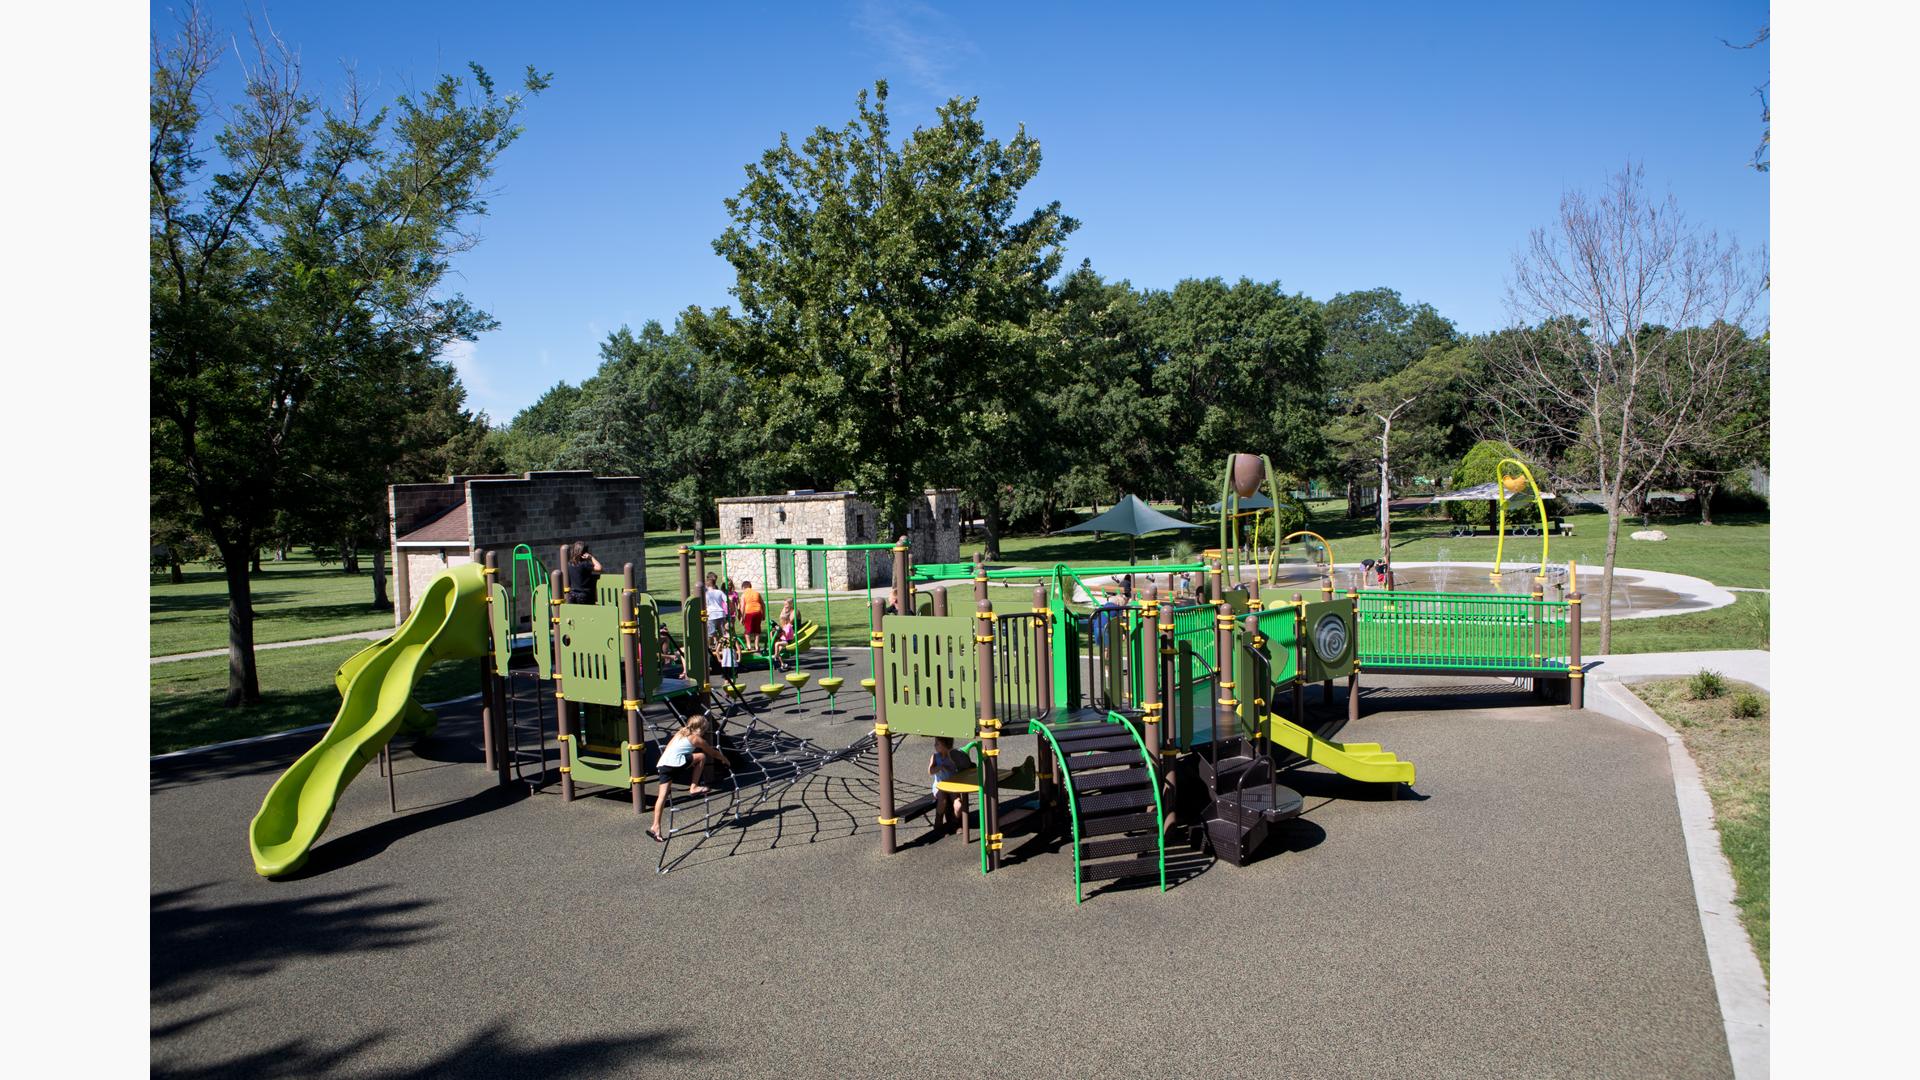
x: 489, y: 569
x: 1227, y: 685
x: 631, y: 780
x: 1254, y: 604
x: 880, y: 730
x: 566, y: 768
x: 995, y: 752
x: 888, y: 820
x: 1227, y: 701
x: 1166, y: 628
x: 984, y: 639
x: 1576, y: 674
x: 631, y: 703
x: 1040, y: 611
x: 879, y: 639
x: 559, y: 695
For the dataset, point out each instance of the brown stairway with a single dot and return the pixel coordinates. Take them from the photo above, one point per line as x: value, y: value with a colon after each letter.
x: 1113, y: 799
x: 1245, y: 801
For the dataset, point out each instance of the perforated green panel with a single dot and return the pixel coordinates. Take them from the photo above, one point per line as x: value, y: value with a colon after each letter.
x: 500, y: 626
x: 930, y: 677
x: 1328, y: 627
x: 590, y: 653
x: 542, y: 631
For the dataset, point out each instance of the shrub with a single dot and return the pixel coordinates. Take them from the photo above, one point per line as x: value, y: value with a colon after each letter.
x: 1748, y: 705
x: 1706, y: 685
x: 1478, y: 467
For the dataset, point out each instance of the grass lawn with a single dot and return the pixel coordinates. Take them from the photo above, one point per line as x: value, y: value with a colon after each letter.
x: 185, y: 696
x: 1733, y: 757
x: 296, y: 599
x: 1733, y: 553
x: 1746, y: 624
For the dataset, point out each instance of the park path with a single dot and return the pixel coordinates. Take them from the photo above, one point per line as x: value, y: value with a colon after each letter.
x: 364, y: 635
x: 1747, y: 665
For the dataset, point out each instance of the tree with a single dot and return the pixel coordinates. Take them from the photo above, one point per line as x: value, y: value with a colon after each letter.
x: 1373, y: 333
x: 1481, y: 465
x: 665, y: 410
x: 1742, y: 438
x: 539, y: 436
x: 1234, y: 368
x: 293, y: 260
x: 1412, y: 412
x: 879, y: 286
x: 1595, y: 364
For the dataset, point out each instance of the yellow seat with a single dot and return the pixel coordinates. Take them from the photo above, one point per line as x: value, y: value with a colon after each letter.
x: 832, y: 683
x: 797, y: 679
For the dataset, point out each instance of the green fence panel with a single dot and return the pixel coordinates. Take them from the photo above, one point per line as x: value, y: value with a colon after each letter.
x: 1281, y: 627
x: 931, y: 681
x: 1462, y: 631
x: 590, y: 653
x: 1193, y: 626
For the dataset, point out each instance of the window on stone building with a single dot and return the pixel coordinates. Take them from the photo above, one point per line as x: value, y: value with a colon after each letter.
x: 746, y: 527
x: 859, y: 526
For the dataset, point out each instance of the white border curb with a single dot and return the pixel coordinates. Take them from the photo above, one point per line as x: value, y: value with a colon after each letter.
x: 1737, y: 979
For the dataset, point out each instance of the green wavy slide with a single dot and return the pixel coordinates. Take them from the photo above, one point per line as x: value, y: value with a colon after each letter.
x: 449, y: 622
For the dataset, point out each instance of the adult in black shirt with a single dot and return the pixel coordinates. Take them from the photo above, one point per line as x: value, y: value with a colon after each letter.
x: 583, y: 575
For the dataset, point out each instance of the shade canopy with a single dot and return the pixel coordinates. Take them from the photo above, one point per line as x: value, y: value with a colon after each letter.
x: 1129, y: 517
x: 1487, y: 492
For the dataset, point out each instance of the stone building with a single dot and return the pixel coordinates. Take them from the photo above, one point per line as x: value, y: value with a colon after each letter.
x: 440, y: 525
x: 829, y: 517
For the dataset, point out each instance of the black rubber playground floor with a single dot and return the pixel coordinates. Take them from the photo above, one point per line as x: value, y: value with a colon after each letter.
x: 1530, y: 914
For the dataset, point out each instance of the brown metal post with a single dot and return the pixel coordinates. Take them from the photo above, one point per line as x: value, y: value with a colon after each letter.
x: 686, y: 578
x: 1151, y: 704
x: 902, y: 588
x: 1300, y: 663
x: 490, y: 740
x: 883, y: 742
x: 1225, y: 702
x: 1576, y: 674
x: 630, y: 683
x: 1535, y: 616
x: 557, y: 588
x: 989, y: 732
x: 939, y: 599
x: 1043, y: 671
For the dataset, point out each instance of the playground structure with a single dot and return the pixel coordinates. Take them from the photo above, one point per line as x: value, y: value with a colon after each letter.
x: 1154, y: 722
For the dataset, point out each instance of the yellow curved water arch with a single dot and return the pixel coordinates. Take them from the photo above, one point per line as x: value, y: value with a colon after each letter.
x: 1273, y: 563
x: 1500, y: 546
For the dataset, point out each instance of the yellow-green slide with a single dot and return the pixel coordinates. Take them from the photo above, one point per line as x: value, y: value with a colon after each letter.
x: 449, y: 622
x: 1361, y: 761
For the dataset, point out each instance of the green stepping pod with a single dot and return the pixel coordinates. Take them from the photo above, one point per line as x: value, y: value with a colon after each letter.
x: 449, y: 622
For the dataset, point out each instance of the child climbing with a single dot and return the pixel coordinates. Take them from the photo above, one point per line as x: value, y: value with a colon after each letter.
x: 783, y: 633
x: 682, y: 761
x: 716, y: 607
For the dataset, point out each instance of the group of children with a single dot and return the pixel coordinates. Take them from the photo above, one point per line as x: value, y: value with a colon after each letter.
x: 736, y: 622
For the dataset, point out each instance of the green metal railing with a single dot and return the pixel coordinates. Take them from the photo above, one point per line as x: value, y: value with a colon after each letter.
x: 1159, y: 808
x: 1073, y: 809
x: 1462, y: 631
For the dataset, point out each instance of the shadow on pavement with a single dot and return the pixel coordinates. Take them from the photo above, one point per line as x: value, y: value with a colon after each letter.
x: 490, y: 1052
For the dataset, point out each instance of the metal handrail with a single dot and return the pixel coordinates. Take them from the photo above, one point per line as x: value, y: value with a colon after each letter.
x: 1159, y: 808
x: 1073, y: 809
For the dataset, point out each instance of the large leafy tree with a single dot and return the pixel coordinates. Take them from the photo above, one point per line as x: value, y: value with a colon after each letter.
x: 884, y: 290
x: 298, y: 258
x: 1373, y: 333
x: 664, y: 409
x: 1235, y: 368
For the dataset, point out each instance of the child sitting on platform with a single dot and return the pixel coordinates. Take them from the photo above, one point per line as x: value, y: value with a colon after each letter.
x: 947, y: 763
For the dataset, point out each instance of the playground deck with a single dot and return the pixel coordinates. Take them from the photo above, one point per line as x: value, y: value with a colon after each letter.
x: 1531, y: 914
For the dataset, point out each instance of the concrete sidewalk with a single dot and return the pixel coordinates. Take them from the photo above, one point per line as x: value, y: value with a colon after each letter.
x: 1746, y: 665
x: 364, y: 635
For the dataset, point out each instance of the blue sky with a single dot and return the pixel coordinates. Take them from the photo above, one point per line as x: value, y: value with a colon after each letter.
x: 1329, y: 146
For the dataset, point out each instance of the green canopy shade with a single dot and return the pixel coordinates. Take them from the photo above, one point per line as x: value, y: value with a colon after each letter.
x: 1131, y: 518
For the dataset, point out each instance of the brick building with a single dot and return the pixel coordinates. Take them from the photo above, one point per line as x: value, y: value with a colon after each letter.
x: 440, y: 525
x: 829, y: 517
